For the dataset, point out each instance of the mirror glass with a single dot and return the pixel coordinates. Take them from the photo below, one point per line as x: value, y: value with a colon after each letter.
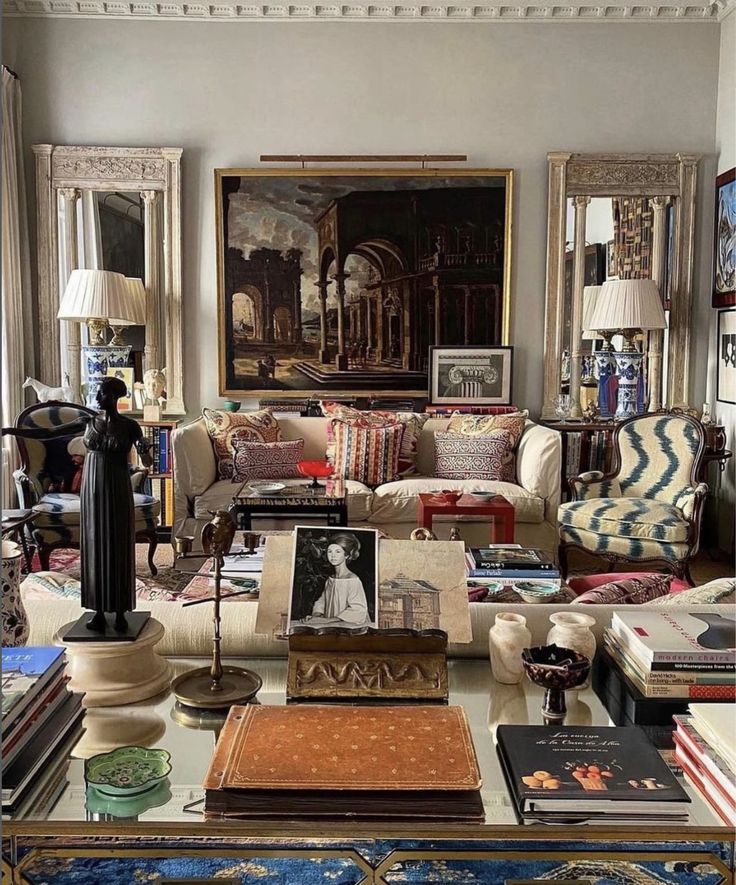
x: 618, y: 245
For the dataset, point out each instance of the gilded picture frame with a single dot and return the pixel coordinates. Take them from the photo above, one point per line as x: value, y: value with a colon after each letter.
x: 336, y: 282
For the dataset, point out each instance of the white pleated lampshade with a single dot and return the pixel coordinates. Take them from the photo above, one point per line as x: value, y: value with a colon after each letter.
x: 137, y: 292
x: 590, y: 299
x: 628, y: 304
x: 96, y: 295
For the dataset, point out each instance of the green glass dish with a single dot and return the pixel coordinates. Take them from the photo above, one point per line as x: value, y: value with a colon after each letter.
x: 128, y: 806
x: 127, y: 771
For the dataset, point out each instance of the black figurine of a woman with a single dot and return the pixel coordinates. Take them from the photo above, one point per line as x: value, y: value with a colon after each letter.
x: 107, y: 518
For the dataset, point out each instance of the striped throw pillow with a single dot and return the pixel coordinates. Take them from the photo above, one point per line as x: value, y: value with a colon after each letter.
x: 367, y: 454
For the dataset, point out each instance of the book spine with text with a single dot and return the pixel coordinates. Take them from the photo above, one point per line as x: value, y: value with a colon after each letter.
x: 666, y: 660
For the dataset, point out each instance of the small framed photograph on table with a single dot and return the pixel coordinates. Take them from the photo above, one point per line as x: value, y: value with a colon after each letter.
x: 470, y: 374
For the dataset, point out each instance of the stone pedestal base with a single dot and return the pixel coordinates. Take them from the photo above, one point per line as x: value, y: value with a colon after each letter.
x: 114, y: 673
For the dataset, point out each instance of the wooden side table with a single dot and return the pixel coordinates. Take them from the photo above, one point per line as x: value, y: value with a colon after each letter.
x: 500, y: 511
x: 14, y: 524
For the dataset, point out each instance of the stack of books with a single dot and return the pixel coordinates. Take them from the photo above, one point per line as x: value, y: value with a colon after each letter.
x: 402, y: 762
x: 675, y: 655
x: 511, y: 563
x: 704, y: 748
x: 41, y: 723
x: 581, y: 773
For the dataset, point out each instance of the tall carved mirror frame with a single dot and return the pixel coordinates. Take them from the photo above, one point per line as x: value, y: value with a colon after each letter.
x: 64, y: 174
x: 665, y: 179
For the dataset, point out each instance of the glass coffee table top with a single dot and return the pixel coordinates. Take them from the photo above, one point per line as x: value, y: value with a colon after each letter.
x: 190, y: 741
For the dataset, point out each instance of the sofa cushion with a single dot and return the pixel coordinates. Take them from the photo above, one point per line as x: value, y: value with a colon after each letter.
x: 272, y: 460
x: 483, y: 425
x: 471, y: 457
x: 721, y: 591
x: 626, y: 518
x: 631, y: 591
x: 219, y: 496
x: 397, y: 501
x: 582, y: 583
x: 367, y: 454
x: 412, y: 421
x: 258, y: 426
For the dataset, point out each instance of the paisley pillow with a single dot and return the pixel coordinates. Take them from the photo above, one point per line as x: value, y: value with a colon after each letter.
x: 260, y: 426
x: 483, y: 425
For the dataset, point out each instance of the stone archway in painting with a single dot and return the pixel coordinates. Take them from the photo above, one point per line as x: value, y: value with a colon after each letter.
x: 247, y: 308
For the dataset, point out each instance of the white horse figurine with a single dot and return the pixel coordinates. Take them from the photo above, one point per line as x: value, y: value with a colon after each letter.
x: 45, y: 393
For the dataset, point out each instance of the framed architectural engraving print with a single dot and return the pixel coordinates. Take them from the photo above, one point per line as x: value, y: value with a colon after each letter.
x: 724, y: 259
x: 338, y: 281
x: 479, y: 376
x: 726, y: 372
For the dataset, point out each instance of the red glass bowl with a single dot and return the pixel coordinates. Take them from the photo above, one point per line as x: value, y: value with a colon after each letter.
x: 315, y: 469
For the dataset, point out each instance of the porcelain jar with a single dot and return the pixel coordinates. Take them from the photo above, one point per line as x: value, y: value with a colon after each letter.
x: 507, y: 638
x: 572, y: 630
x: 15, y: 620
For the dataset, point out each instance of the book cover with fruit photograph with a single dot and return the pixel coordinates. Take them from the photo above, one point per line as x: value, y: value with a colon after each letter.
x: 551, y: 766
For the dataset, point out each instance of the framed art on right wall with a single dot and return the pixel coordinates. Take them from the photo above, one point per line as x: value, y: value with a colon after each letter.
x: 724, y: 259
x: 726, y: 374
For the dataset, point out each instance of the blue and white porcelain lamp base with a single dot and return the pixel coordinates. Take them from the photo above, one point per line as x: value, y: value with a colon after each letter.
x: 97, y: 359
x: 628, y: 365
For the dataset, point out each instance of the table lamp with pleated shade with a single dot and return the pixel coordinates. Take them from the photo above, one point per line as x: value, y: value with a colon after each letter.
x: 93, y: 297
x: 137, y: 294
x: 629, y: 307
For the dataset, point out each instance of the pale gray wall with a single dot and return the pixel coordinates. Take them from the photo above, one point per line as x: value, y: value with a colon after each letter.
x: 505, y: 94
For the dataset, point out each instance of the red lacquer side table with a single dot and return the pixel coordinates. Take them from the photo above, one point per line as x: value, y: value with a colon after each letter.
x: 500, y: 511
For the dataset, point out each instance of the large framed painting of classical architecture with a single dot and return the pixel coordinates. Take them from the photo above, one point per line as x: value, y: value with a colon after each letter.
x: 339, y: 281
x: 724, y: 259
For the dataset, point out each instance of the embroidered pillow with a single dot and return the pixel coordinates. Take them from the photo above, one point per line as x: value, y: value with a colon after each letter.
x: 272, y: 460
x: 457, y: 456
x: 721, y: 591
x: 413, y: 423
x: 367, y: 454
x: 633, y: 591
x: 258, y: 426
x: 482, y: 425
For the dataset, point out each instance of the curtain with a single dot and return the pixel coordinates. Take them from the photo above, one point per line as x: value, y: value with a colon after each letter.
x: 17, y: 334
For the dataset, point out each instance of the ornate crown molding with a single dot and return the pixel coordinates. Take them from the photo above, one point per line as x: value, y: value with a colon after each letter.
x: 306, y: 10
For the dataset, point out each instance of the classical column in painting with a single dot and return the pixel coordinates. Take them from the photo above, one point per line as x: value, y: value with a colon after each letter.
x: 152, y: 241
x: 467, y: 313
x: 437, y: 309
x: 296, y: 336
x: 341, y: 360
x: 656, y: 336
x: 576, y: 319
x: 71, y: 333
x: 381, y: 295
x: 324, y: 354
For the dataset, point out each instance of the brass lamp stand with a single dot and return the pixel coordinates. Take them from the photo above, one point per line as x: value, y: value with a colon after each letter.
x: 216, y: 686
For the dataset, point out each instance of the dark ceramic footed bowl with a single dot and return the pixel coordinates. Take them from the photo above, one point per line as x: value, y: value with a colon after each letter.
x: 551, y: 666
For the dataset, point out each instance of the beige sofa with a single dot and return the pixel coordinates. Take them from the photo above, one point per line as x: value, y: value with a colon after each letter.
x: 391, y: 507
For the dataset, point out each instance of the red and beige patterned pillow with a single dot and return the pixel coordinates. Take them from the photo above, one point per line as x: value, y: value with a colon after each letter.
x: 222, y: 426
x: 483, y: 425
x: 633, y: 591
x: 272, y: 460
x: 367, y: 454
x: 457, y: 456
x: 413, y: 423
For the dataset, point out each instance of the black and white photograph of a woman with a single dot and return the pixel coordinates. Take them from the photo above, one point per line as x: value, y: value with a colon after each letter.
x: 334, y: 578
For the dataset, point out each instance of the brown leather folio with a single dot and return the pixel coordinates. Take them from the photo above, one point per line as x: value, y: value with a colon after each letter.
x: 333, y: 761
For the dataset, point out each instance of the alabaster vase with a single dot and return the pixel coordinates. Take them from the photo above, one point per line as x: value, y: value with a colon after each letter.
x: 507, y: 638
x: 572, y: 630
x: 15, y: 620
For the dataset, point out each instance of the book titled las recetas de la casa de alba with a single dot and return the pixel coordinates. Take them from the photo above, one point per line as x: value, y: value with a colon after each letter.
x: 587, y: 773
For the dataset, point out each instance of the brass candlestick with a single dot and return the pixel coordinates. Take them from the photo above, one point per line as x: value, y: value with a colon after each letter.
x: 216, y: 686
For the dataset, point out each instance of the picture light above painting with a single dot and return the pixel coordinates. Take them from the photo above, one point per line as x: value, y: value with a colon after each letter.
x: 339, y: 281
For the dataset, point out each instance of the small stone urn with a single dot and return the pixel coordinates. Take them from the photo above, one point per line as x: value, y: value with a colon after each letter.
x: 508, y: 636
x: 15, y: 620
x: 572, y: 630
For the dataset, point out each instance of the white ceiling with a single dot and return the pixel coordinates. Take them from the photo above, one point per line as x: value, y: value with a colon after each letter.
x: 383, y: 10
